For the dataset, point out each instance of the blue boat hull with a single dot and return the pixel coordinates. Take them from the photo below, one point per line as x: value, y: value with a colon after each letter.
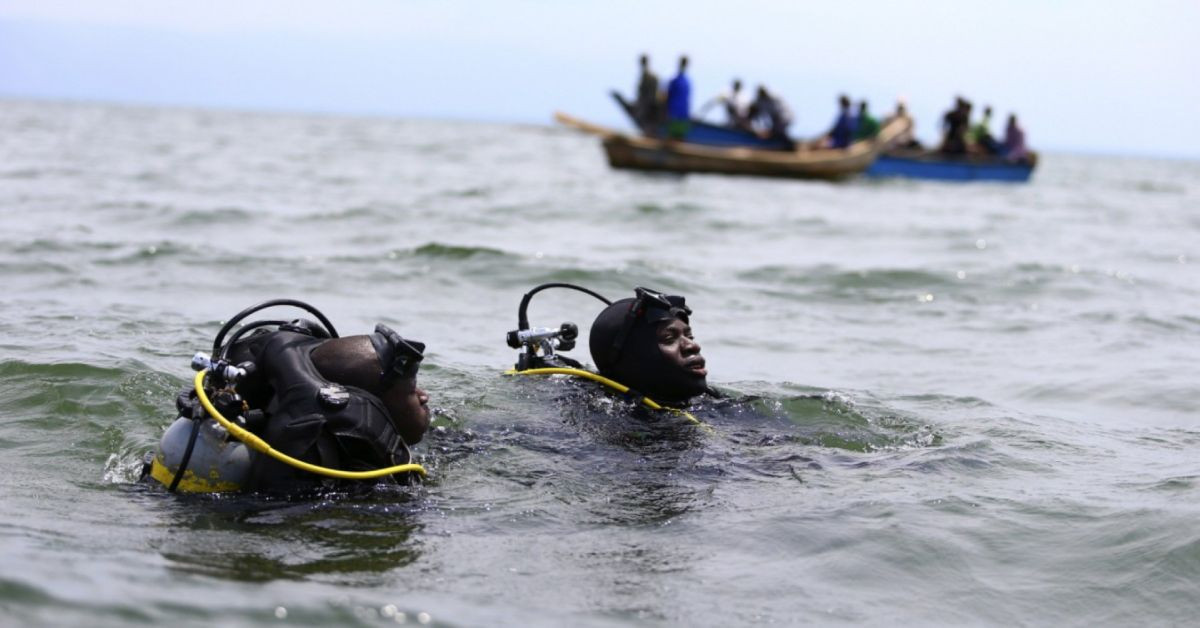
x: 944, y: 168
x: 713, y: 135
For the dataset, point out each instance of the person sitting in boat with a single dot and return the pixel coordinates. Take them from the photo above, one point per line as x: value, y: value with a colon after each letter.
x: 770, y: 116
x: 1014, y: 148
x: 979, y: 137
x: 646, y: 107
x: 906, y: 138
x: 679, y: 102
x: 867, y: 126
x: 734, y: 103
x: 954, y: 128
x: 327, y: 408
x: 842, y: 132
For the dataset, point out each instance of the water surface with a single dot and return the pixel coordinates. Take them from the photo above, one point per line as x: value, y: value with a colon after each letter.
x: 950, y: 404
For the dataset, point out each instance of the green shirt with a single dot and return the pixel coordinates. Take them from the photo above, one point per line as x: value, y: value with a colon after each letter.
x: 867, y: 128
x: 979, y: 131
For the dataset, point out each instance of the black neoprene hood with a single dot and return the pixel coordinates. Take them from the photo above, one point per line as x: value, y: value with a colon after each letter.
x: 624, y: 347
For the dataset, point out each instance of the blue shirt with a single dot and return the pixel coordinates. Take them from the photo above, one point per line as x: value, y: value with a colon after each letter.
x: 843, y: 131
x: 679, y: 97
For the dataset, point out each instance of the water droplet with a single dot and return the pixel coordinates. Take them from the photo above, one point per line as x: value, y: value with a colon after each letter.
x: 388, y: 610
x: 424, y: 618
x: 401, y: 618
x: 1182, y: 259
x: 280, y: 612
x: 981, y: 244
x: 962, y: 274
x: 1075, y: 268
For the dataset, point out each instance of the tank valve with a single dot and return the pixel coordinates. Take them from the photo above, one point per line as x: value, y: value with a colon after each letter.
x: 201, y: 362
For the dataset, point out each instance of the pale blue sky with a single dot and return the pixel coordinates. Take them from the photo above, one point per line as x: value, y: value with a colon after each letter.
x: 1084, y: 76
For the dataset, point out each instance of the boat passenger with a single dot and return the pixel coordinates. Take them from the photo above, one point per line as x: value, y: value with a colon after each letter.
x: 348, y: 404
x: 867, y: 126
x: 954, y: 128
x: 646, y: 343
x: 979, y: 137
x: 679, y: 98
x: 770, y: 115
x: 1014, y: 148
x: 842, y: 132
x: 734, y: 103
x: 906, y: 139
x: 646, y: 107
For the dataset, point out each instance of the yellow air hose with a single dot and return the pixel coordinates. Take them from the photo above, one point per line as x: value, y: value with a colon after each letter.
x: 617, y: 386
x: 257, y: 444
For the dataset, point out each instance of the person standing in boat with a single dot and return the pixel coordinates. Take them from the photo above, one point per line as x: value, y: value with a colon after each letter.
x: 679, y: 103
x: 646, y: 107
x: 954, y: 128
x: 867, y: 126
x: 842, y: 132
x: 735, y: 104
x: 770, y: 115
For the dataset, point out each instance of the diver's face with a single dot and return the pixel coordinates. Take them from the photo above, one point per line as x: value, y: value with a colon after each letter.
x: 680, y: 348
x: 409, y: 407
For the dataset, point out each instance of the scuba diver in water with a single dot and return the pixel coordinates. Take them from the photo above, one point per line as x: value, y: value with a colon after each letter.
x: 642, y: 346
x: 289, y: 407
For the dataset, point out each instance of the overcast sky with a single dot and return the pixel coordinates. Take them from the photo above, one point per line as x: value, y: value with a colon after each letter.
x: 1083, y: 76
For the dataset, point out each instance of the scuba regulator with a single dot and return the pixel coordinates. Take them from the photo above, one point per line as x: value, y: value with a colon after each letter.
x: 538, y: 344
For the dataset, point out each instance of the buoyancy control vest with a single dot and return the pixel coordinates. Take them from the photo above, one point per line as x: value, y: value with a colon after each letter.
x: 293, y: 408
x: 317, y: 421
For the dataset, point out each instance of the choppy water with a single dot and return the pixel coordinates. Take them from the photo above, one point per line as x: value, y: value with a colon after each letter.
x: 955, y: 404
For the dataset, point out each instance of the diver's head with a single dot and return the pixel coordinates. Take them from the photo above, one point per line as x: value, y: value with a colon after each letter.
x: 646, y: 343
x: 385, y: 365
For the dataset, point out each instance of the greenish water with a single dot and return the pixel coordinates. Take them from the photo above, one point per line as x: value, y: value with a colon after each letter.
x: 950, y: 404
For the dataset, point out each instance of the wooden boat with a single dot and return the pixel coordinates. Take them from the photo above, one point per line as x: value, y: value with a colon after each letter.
x: 924, y: 164
x: 706, y: 133
x: 803, y: 162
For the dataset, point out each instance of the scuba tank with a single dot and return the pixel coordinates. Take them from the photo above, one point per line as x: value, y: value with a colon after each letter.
x: 217, y: 464
x: 196, y: 454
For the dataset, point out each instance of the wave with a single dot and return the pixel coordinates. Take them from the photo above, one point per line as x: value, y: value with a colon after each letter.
x: 437, y: 250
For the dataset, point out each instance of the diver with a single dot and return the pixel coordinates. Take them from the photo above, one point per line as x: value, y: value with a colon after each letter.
x: 646, y: 342
x: 642, y: 346
x: 289, y: 407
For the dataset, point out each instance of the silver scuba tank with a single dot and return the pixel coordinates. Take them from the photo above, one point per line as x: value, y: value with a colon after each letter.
x: 218, y: 464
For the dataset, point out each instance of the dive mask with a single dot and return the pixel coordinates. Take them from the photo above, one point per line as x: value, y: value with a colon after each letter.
x: 398, y: 358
